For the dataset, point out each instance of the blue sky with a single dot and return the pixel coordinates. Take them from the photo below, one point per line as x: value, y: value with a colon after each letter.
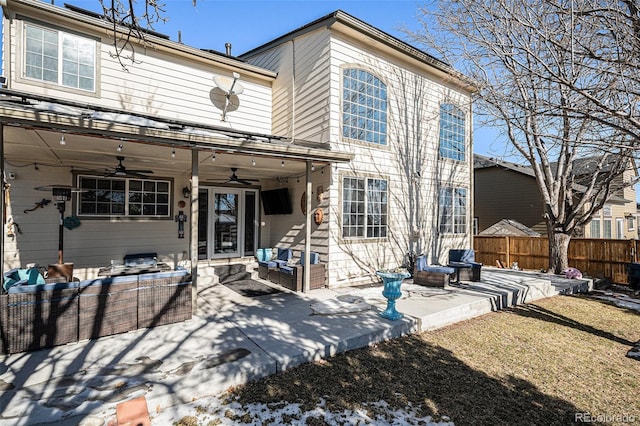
x: 248, y: 24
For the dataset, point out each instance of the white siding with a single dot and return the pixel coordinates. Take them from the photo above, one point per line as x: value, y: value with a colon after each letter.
x: 300, y: 94
x: 414, y: 100
x: 161, y: 84
x: 94, y: 243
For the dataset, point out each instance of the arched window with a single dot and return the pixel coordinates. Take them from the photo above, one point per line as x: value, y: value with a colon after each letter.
x: 364, y: 107
x: 452, y: 141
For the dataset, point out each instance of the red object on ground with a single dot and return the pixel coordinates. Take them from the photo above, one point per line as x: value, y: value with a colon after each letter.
x: 133, y: 412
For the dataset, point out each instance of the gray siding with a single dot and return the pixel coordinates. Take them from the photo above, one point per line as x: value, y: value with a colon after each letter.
x: 503, y: 194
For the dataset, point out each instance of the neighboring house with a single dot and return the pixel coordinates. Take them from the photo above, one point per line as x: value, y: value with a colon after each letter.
x: 506, y: 190
x: 509, y: 227
x: 336, y: 115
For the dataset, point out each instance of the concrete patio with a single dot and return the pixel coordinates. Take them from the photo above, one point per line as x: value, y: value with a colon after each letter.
x: 236, y: 339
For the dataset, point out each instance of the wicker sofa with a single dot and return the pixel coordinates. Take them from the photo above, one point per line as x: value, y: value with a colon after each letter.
x: 290, y: 275
x: 44, y: 315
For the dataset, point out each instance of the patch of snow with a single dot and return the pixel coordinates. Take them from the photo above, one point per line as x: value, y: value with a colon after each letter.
x: 204, y: 132
x: 233, y: 413
x: 58, y: 109
x: 129, y: 119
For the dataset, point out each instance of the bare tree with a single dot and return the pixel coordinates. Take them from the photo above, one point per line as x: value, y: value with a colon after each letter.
x: 130, y: 24
x: 559, y: 78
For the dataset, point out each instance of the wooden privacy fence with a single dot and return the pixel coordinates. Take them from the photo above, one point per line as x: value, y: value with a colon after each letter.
x: 595, y: 257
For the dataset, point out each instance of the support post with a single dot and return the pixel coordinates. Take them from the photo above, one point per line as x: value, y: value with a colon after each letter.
x: 193, y: 235
x: 3, y: 200
x: 306, y: 283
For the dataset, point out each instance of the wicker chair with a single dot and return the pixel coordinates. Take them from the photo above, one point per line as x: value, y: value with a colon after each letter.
x: 292, y: 277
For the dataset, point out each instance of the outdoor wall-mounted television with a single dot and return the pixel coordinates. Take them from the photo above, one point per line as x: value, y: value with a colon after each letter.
x: 276, y: 201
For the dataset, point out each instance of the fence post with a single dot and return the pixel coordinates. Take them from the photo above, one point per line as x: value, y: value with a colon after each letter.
x: 508, y: 264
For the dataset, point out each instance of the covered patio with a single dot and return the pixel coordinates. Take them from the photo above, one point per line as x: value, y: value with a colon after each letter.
x: 49, y: 143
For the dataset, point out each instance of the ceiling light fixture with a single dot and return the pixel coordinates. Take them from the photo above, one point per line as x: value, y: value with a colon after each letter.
x: 213, y: 157
x: 62, y: 139
x: 173, y: 153
x: 120, y: 148
x: 282, y: 163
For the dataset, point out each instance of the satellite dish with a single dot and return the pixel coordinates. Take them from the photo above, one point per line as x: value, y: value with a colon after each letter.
x: 230, y: 86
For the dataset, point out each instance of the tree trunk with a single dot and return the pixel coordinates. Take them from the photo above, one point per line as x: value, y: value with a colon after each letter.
x: 558, y: 252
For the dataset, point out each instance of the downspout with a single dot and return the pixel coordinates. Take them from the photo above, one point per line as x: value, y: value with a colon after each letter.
x: 6, y: 64
x: 193, y: 235
x: 293, y: 90
x: 471, y: 176
x: 6, y: 42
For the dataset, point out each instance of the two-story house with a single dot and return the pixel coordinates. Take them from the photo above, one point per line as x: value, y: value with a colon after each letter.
x: 506, y: 190
x: 335, y: 138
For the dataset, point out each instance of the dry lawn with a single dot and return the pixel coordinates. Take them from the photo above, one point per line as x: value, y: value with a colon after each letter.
x: 537, y: 364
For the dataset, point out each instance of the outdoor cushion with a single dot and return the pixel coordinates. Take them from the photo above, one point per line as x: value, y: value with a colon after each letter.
x: 27, y: 276
x: 264, y: 254
x: 438, y: 269
x: 284, y: 255
x: 313, y: 260
x: 421, y: 265
x: 287, y: 269
x: 462, y: 257
x: 34, y: 288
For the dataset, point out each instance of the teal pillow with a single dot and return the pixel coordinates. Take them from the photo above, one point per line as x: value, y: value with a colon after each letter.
x: 32, y: 275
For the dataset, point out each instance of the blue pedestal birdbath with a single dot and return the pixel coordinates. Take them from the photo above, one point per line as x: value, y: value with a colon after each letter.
x: 392, y: 281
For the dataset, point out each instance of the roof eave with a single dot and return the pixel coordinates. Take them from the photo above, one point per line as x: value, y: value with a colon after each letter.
x: 90, y: 22
x: 341, y: 18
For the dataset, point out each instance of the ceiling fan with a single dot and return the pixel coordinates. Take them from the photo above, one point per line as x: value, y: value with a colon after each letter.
x: 235, y: 179
x: 121, y: 171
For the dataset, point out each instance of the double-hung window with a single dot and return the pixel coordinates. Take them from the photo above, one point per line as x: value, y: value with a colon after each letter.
x: 364, y: 107
x: 606, y: 233
x: 595, y: 228
x: 364, y: 208
x: 452, y: 131
x: 453, y: 210
x: 124, y: 197
x: 60, y: 58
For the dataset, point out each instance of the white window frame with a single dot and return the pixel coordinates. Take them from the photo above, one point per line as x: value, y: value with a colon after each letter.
x: 619, y: 228
x: 364, y: 107
x: 365, y: 208
x: 606, y: 228
x: 452, y: 134
x: 67, y: 62
x: 594, y: 228
x: 452, y: 204
x: 145, y: 197
x: 631, y: 223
